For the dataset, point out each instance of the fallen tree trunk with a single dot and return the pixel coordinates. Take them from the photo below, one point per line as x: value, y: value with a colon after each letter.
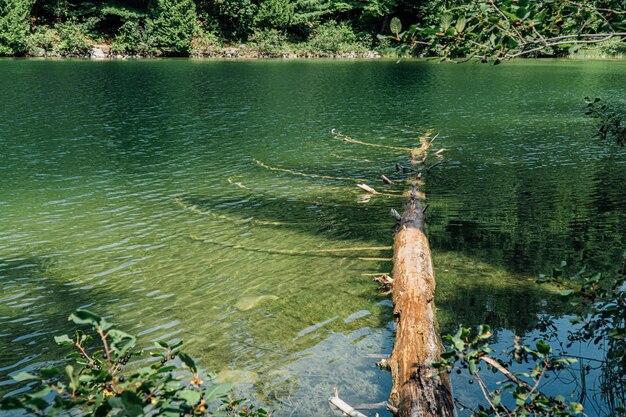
x: 418, y: 389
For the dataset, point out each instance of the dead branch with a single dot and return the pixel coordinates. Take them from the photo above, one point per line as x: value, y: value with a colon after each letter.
x: 386, y: 180
x: 342, y: 406
x: 367, y: 189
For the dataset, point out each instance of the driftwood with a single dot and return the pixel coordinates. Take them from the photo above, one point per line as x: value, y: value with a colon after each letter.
x: 418, y: 390
x: 386, y: 180
x: 342, y: 406
x: 367, y: 189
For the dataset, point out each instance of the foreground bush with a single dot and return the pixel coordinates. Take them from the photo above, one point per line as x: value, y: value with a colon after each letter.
x: 98, y: 383
x: 599, y: 306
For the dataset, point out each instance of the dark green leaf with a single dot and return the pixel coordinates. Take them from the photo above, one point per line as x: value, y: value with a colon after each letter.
x: 543, y: 347
x: 187, y: 360
x: 49, y: 373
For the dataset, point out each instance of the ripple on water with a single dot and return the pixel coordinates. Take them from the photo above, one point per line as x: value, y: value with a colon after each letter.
x: 132, y: 191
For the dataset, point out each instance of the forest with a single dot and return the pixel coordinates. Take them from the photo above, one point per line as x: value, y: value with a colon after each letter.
x: 311, y: 28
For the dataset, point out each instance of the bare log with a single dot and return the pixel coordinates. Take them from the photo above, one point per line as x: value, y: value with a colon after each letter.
x: 344, y: 407
x: 367, y: 189
x: 418, y: 389
x: 386, y: 180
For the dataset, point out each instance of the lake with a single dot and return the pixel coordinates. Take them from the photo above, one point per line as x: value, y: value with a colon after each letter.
x: 196, y: 199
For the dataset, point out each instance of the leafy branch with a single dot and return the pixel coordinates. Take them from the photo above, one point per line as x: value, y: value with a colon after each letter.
x: 611, y: 122
x: 493, y: 31
x: 99, y: 384
x: 521, y: 394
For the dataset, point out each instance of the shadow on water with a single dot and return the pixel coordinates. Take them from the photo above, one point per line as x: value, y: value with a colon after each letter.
x: 471, y: 290
x: 487, y: 291
x: 532, y: 219
x: 34, y: 307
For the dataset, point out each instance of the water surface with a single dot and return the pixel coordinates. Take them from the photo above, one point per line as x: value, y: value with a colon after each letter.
x: 131, y: 188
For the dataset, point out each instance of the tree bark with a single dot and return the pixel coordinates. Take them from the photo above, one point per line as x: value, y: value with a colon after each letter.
x: 418, y: 389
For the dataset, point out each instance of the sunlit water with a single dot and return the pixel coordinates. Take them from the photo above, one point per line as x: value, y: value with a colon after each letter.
x: 132, y: 189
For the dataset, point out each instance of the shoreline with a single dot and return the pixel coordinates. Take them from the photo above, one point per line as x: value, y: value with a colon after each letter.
x: 243, y: 52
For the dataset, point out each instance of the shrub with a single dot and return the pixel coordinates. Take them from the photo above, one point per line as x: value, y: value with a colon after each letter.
x: 204, y: 43
x: 277, y: 14
x: 235, y: 17
x: 14, y: 26
x: 99, y: 384
x: 333, y: 37
x: 614, y: 47
x: 131, y: 39
x: 72, y: 39
x: 270, y: 42
x: 173, y: 26
x: 42, y: 40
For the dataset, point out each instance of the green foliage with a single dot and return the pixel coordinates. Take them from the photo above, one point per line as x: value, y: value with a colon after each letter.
x: 614, y: 47
x: 205, y: 43
x: 309, y: 13
x: 373, y: 8
x: 42, y: 40
x: 173, y: 26
x: 493, y: 31
x: 600, y: 304
x: 611, y: 122
x: 132, y: 39
x: 277, y: 14
x: 14, y: 26
x: 333, y: 37
x: 270, y: 42
x: 125, y: 13
x: 521, y: 395
x: 99, y: 383
x: 235, y: 18
x: 72, y: 39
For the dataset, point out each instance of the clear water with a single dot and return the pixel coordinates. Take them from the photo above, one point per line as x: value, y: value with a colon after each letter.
x: 131, y: 188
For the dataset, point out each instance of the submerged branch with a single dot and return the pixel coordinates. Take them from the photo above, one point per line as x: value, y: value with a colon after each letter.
x: 342, y: 406
x: 291, y: 252
x: 303, y: 174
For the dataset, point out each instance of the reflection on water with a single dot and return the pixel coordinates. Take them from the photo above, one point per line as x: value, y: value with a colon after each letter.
x: 130, y: 188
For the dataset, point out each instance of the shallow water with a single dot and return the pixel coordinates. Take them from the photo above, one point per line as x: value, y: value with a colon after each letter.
x: 133, y: 189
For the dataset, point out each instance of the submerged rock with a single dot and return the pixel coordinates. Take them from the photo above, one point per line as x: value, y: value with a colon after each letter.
x: 99, y: 52
x: 247, y: 303
x: 236, y: 375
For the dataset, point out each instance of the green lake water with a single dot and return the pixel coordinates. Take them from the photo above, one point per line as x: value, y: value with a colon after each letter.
x: 131, y: 188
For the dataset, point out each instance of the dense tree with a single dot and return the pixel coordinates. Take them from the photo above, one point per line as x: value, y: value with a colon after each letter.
x: 14, y: 26
x: 173, y: 25
x: 486, y: 29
